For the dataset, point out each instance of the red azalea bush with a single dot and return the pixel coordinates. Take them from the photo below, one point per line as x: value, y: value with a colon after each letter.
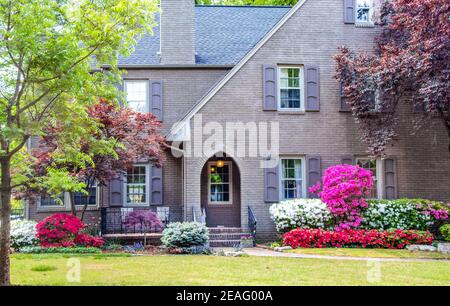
x: 63, y: 230
x: 343, y: 190
x: 392, y: 239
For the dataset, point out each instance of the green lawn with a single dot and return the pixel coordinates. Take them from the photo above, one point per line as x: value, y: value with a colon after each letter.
x: 371, y: 253
x: 51, y: 269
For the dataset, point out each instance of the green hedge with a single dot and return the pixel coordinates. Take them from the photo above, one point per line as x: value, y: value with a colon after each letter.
x: 74, y: 250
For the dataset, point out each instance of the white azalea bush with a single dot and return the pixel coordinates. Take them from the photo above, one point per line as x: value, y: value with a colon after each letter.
x: 396, y: 214
x: 23, y: 234
x: 300, y: 213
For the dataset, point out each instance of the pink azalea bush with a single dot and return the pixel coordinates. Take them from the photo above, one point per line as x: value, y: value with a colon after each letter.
x: 63, y: 230
x: 344, y: 189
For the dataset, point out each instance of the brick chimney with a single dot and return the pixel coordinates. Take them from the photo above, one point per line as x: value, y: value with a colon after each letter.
x: 177, y: 32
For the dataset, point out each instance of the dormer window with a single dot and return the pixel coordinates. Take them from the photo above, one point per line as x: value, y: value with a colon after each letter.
x: 364, y: 11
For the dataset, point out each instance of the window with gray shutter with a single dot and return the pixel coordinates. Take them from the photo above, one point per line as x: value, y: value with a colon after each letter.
x: 313, y: 173
x: 270, y: 90
x: 349, y: 11
x: 312, y: 86
x: 156, y: 98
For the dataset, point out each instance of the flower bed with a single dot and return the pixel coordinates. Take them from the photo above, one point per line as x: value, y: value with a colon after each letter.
x: 392, y: 239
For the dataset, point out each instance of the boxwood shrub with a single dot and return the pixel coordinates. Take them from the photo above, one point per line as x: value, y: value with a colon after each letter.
x: 185, y: 235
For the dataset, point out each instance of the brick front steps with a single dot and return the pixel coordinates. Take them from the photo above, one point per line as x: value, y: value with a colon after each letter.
x: 225, y: 237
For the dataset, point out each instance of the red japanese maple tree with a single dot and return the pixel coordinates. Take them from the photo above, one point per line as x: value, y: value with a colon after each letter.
x: 411, y: 64
x: 134, y: 137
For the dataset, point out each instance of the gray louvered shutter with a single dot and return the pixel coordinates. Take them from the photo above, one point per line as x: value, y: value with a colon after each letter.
x: 271, y: 184
x: 116, y: 189
x: 348, y: 160
x: 419, y: 107
x: 313, y: 173
x: 349, y: 11
x: 270, y: 88
x: 390, y: 179
x: 343, y: 106
x: 156, y: 185
x: 156, y: 98
x: 312, y: 86
x: 387, y: 101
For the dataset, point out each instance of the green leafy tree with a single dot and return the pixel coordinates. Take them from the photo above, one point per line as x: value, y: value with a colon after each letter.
x: 49, y: 52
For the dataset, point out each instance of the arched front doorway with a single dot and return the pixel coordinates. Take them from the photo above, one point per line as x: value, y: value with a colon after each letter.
x: 221, y: 192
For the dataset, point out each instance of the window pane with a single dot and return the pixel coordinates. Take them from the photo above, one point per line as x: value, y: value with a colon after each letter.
x: 47, y: 200
x: 137, y: 185
x: 371, y: 165
x: 290, y: 88
x: 292, y: 186
x: 363, y: 8
x: 219, y: 183
x: 136, y: 95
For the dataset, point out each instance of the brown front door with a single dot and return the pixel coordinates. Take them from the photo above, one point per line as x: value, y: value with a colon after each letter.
x: 221, y: 193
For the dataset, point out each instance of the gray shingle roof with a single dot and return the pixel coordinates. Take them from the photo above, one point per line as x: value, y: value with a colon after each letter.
x: 224, y: 34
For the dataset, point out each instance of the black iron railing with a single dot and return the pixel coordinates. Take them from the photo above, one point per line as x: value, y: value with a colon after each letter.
x: 17, y: 214
x: 114, y: 221
x: 252, y: 223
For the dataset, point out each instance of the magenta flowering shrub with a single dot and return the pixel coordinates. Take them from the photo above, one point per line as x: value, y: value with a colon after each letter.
x: 344, y: 189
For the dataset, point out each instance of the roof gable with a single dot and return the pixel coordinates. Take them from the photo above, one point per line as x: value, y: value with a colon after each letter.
x: 181, y: 130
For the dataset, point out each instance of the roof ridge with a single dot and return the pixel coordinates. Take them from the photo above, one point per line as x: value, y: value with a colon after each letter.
x: 244, y: 6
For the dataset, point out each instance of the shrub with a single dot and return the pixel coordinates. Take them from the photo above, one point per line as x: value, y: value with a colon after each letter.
x: 403, y: 214
x: 344, y: 188
x: 318, y: 238
x: 143, y: 220
x: 185, y: 235
x: 73, y: 250
x: 300, y: 213
x: 63, y: 230
x: 23, y: 233
x: 445, y: 231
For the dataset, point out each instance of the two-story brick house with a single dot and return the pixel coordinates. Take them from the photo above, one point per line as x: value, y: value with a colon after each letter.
x: 255, y: 64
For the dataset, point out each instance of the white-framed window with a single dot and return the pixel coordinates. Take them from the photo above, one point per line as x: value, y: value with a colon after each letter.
x: 136, y: 187
x: 49, y: 201
x: 90, y: 199
x: 375, y: 166
x: 364, y: 11
x: 292, y: 178
x: 136, y: 92
x: 291, y: 87
x: 220, y: 182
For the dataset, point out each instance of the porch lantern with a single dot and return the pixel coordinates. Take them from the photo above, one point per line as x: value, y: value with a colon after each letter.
x: 220, y: 163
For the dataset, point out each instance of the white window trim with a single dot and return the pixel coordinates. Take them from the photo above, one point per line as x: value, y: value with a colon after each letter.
x: 280, y: 171
x: 230, y: 184
x: 67, y: 204
x: 370, y: 22
x: 301, y: 86
x: 147, y: 184
x: 147, y: 94
x: 379, y: 174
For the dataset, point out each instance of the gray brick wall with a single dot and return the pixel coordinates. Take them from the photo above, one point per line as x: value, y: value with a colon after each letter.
x: 311, y: 37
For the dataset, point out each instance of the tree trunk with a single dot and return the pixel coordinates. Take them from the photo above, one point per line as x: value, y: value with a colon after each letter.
x: 5, y: 215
